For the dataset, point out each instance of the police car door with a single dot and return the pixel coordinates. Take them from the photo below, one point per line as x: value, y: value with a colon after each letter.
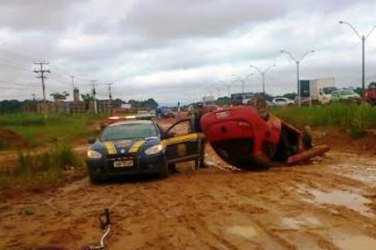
x: 184, y: 145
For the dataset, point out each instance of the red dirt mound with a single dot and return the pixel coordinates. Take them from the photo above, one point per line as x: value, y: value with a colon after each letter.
x: 340, y: 140
x: 11, y: 139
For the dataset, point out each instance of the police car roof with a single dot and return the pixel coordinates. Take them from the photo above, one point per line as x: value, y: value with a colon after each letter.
x: 132, y: 122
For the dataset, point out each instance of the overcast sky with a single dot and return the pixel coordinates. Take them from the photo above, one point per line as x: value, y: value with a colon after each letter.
x: 180, y: 50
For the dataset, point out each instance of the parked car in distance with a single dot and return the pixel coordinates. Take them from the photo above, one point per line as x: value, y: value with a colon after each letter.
x: 282, y: 101
x: 325, y: 94
x: 146, y: 114
x: 345, y: 95
x: 304, y: 101
x: 165, y: 113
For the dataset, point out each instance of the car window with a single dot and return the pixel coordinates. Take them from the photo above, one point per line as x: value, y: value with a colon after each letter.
x: 129, y: 131
x: 280, y: 100
x: 182, y: 128
x: 347, y: 92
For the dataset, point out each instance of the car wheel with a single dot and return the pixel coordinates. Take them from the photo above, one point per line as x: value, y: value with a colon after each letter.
x: 165, y: 170
x: 172, y: 168
x: 197, y: 164
x: 94, y: 179
x: 200, y: 164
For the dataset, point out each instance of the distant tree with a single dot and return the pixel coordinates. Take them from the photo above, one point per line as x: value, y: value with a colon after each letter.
x: 135, y: 104
x: 266, y: 96
x: 372, y: 85
x: 224, y: 101
x: 359, y: 90
x: 150, y: 104
x: 10, y: 106
x: 60, y: 96
x: 117, y: 103
x: 87, y: 98
x: 291, y: 96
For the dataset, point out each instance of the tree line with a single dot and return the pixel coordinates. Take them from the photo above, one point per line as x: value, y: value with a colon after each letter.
x: 14, y: 106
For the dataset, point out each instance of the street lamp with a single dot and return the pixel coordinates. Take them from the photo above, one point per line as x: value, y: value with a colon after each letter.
x: 228, y: 86
x: 363, y: 38
x: 242, y: 80
x: 263, y: 72
x: 297, y: 69
x: 218, y: 90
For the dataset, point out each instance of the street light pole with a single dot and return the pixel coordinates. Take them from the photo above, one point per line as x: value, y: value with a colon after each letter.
x: 228, y: 86
x: 242, y: 80
x: 263, y: 75
x: 298, y: 83
x: 363, y: 38
x: 218, y: 90
x: 363, y: 59
x: 297, y: 70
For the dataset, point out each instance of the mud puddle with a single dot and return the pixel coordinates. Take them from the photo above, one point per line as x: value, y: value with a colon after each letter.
x: 350, y: 200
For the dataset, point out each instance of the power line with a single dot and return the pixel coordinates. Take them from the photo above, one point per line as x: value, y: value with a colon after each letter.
x: 109, y: 90
x: 61, y: 70
x: 24, y: 85
x: 18, y: 84
x: 21, y: 89
x: 18, y: 55
x: 16, y: 62
x: 42, y: 77
x: 13, y: 67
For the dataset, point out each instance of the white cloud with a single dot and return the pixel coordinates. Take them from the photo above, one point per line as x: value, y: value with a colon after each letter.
x: 181, y: 49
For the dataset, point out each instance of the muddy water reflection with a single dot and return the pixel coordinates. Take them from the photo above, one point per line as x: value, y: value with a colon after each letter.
x: 349, y: 242
x: 350, y: 200
x: 244, y: 231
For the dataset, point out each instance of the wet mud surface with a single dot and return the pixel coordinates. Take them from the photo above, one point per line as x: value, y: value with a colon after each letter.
x: 328, y: 203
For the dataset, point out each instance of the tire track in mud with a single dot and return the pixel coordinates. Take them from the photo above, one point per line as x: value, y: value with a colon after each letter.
x: 206, y: 209
x: 171, y: 212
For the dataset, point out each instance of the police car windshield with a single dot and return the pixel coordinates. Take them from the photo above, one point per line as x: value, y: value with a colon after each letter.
x: 128, y: 131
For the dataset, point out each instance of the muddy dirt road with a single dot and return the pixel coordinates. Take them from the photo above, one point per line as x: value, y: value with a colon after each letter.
x: 327, y: 204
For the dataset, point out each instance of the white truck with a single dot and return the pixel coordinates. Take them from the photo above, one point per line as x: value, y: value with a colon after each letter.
x: 320, y: 89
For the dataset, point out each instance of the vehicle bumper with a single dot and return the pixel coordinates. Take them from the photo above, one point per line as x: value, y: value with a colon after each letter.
x: 103, y: 169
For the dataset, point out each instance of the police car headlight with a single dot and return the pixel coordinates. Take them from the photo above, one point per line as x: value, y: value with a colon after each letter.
x: 92, y: 154
x: 154, y: 149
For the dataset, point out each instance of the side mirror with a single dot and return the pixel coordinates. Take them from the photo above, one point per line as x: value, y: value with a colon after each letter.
x: 91, y: 140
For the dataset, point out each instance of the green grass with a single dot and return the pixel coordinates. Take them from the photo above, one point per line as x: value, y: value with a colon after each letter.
x: 37, y: 131
x: 341, y: 116
x: 35, y: 168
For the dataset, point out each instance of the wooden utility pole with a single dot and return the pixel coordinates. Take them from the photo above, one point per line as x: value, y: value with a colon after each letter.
x: 41, y: 75
x: 109, y: 96
x: 109, y: 90
x: 73, y: 86
x: 94, y: 93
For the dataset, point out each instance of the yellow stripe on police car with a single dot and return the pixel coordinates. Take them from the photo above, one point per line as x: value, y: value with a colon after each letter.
x: 136, y: 146
x: 110, y: 147
x: 183, y: 138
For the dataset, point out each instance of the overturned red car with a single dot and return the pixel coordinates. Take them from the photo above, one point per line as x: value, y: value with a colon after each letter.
x: 245, y: 139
